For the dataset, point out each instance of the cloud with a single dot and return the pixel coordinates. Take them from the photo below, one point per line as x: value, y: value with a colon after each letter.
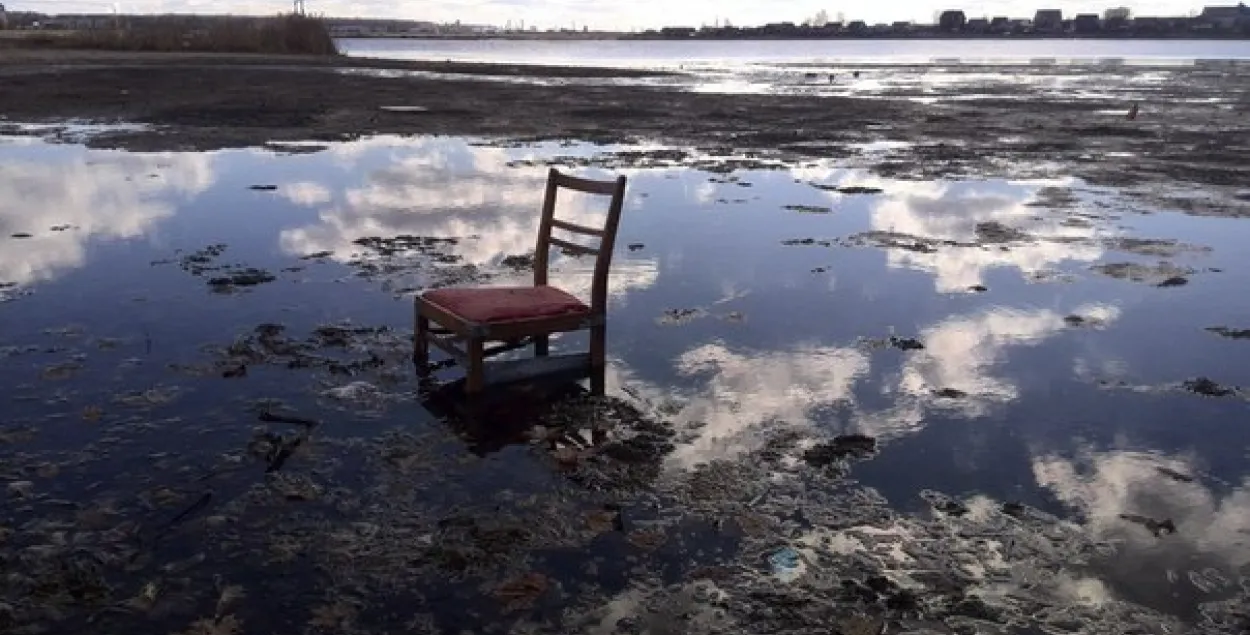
x: 99, y: 195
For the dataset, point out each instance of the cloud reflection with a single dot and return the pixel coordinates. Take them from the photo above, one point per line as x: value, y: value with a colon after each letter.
x: 95, y: 194
x: 1105, y: 485
x: 951, y: 211
x: 447, y: 188
x: 740, y: 390
x: 948, y: 211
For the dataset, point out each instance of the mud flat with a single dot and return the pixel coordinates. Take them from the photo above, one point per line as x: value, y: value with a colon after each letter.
x: 1192, y: 130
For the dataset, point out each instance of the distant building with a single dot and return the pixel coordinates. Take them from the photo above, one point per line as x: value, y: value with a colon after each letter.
x: 1086, y: 23
x: 1118, y: 13
x: 901, y: 27
x: 1000, y: 25
x: 857, y: 26
x: 977, y: 25
x: 678, y: 31
x: 1048, y: 20
x: 4, y: 18
x: 1225, y: 17
x: 952, y: 20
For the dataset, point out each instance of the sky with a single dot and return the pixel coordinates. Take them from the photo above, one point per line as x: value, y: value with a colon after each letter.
x: 598, y: 14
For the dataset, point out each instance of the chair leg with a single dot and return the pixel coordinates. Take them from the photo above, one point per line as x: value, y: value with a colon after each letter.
x: 598, y: 359
x: 475, y: 378
x: 421, y: 346
x: 542, y: 345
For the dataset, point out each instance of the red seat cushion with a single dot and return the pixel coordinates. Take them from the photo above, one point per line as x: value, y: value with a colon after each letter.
x: 505, y: 304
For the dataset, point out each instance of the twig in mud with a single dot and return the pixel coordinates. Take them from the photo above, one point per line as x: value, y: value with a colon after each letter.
x: 199, y: 504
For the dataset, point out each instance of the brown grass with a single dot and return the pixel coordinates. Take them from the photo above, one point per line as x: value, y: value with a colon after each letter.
x: 282, y: 35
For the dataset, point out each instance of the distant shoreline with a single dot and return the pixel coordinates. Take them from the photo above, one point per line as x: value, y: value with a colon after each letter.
x: 558, y: 37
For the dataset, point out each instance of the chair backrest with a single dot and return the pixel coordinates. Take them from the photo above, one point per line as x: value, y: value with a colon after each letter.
x: 605, y: 234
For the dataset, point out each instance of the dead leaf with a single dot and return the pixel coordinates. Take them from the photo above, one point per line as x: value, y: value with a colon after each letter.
x: 601, y: 521
x: 57, y: 372
x: 649, y: 539
x: 521, y: 592
x: 332, y: 618
x: 228, y: 625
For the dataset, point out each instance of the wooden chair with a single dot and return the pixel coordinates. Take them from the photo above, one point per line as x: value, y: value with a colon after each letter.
x: 469, y: 318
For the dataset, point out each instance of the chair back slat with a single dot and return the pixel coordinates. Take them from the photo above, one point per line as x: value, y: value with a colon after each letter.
x: 575, y: 228
x: 573, y: 247
x: 606, y: 235
x: 586, y: 186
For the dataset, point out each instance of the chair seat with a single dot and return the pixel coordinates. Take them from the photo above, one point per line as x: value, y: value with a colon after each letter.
x: 492, y: 305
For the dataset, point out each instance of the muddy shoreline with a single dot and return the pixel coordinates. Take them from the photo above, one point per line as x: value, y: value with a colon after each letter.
x: 202, y: 102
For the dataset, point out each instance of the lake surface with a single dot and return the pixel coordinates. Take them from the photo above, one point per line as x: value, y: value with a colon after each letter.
x: 755, y: 307
x: 668, y: 54
x: 926, y: 71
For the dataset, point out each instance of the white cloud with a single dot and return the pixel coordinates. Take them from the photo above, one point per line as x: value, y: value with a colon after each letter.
x: 98, y: 195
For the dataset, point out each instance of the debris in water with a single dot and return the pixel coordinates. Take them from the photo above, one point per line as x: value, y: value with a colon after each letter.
x: 263, y: 188
x: 636, y: 246
x: 677, y: 317
x: 847, y: 445
x: 1207, y: 387
x: 1174, y: 281
x: 522, y: 592
x: 1235, y: 334
x: 808, y: 209
x: 950, y: 393
x: 786, y: 564
x: 996, y: 232
x: 1156, y: 527
x: 906, y: 343
x: 1174, y: 475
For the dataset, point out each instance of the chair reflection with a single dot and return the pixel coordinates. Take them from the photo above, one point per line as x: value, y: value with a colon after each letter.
x: 492, y: 420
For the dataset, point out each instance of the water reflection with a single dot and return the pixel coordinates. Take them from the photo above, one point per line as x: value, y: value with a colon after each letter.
x: 446, y: 188
x: 952, y: 212
x: 63, y: 202
x: 1117, y: 493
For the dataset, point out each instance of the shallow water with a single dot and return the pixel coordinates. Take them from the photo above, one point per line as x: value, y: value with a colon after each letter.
x: 748, y: 298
